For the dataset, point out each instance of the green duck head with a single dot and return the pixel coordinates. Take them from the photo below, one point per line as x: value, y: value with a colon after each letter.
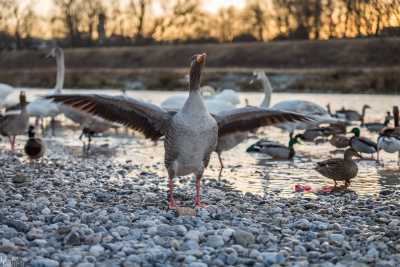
x: 294, y: 140
x: 253, y: 148
x: 356, y: 131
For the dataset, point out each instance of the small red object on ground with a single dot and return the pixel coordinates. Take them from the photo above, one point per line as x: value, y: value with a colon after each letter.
x: 302, y: 188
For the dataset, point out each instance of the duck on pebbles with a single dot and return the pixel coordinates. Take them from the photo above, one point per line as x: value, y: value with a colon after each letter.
x: 15, y: 122
x: 191, y: 134
x: 34, y: 147
x: 340, y: 169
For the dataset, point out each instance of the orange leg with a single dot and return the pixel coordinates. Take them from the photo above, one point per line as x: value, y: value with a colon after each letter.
x: 171, y: 200
x: 197, y: 200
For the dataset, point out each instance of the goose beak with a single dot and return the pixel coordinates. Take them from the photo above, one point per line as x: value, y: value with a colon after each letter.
x: 201, y: 58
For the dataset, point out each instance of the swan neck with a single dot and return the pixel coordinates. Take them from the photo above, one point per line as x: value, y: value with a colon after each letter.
x: 60, y: 73
x: 267, y: 92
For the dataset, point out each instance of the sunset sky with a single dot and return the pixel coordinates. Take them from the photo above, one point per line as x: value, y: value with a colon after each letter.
x: 213, y: 5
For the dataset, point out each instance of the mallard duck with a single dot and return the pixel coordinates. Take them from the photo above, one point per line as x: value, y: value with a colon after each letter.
x: 340, y: 169
x: 310, y: 135
x: 362, y: 144
x: 34, y: 147
x: 275, y: 150
x: 339, y: 140
x: 377, y: 126
x: 352, y: 115
x: 191, y: 134
x: 15, y: 122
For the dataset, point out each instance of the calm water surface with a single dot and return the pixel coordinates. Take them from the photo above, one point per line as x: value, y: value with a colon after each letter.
x: 256, y: 173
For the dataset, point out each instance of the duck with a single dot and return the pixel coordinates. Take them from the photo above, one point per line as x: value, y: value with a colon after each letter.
x: 362, y: 144
x: 389, y: 138
x: 339, y: 169
x: 5, y: 91
x: 43, y: 108
x: 190, y: 134
x: 352, y: 115
x: 311, y: 134
x: 34, y: 147
x: 339, y: 140
x: 275, y: 150
x: 15, y: 122
x: 308, y: 108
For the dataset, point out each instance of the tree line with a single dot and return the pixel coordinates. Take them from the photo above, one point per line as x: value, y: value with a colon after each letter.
x: 137, y: 22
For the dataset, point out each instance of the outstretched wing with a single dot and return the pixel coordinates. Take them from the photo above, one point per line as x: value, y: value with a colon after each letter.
x: 249, y: 118
x: 144, y: 117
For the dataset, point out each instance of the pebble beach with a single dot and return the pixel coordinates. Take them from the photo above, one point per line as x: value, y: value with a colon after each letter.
x: 75, y: 211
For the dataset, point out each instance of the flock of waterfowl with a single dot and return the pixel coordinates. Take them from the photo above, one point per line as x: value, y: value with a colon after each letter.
x: 196, y: 125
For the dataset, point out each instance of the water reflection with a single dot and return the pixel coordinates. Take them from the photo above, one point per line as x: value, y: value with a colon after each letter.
x: 256, y: 173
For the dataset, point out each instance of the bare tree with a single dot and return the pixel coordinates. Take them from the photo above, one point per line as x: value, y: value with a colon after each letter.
x: 138, y: 9
x: 256, y: 15
x: 68, y: 12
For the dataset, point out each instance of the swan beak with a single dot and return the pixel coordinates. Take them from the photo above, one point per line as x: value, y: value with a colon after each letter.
x: 201, y: 58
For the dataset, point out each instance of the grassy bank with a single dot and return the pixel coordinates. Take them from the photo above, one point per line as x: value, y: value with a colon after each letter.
x: 365, y: 65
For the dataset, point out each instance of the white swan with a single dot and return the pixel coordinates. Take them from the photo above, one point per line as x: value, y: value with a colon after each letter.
x: 43, y: 108
x: 313, y: 110
x: 225, y: 100
x: 5, y: 91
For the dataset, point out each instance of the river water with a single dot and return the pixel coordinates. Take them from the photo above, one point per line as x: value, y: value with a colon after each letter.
x: 257, y: 173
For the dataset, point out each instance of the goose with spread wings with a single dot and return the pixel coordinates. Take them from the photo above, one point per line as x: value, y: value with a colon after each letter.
x: 191, y: 134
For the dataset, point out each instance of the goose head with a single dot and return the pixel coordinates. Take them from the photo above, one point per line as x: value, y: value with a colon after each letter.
x: 196, y: 66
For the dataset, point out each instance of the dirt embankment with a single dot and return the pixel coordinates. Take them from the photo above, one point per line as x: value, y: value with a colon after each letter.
x: 363, y: 65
